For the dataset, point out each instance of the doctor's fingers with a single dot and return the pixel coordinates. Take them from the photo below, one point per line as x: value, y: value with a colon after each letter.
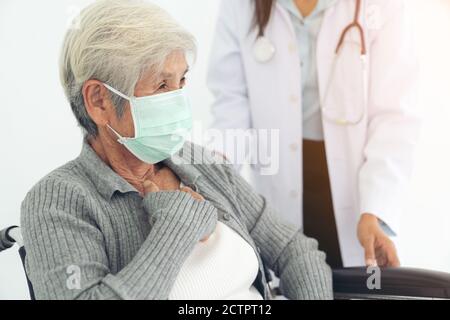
x: 391, y: 255
x: 368, y: 244
x: 386, y: 253
x: 381, y: 257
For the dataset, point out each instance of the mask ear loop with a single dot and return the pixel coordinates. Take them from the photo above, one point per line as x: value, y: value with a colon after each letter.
x: 121, y: 139
x: 120, y: 94
x: 117, y: 92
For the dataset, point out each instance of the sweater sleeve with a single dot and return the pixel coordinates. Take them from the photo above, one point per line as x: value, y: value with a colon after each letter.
x: 66, y: 256
x: 295, y: 258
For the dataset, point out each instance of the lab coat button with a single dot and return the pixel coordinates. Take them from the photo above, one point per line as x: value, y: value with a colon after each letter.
x: 294, y: 99
x: 292, y: 48
x: 294, y: 194
x: 294, y: 147
x: 226, y: 217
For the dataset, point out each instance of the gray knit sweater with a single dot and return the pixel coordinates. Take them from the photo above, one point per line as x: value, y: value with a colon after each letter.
x: 90, y: 235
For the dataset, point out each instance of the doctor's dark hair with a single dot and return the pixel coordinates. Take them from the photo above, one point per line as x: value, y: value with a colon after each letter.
x: 115, y: 42
x: 263, y: 11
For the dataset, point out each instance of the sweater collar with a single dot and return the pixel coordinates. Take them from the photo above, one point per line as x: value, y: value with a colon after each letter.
x: 107, y: 181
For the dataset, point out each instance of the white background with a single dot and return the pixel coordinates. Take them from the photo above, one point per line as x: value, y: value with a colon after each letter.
x: 38, y: 132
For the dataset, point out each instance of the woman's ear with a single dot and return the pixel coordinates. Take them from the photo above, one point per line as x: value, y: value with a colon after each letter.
x: 97, y: 102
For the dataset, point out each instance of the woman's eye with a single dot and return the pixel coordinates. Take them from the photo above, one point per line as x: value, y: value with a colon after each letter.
x: 162, y: 86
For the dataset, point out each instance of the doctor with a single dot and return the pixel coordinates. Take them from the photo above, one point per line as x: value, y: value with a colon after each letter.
x: 337, y: 79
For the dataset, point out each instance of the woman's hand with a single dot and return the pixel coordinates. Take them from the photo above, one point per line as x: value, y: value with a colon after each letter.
x: 150, y: 186
x: 194, y: 194
x: 165, y: 179
x: 379, y: 249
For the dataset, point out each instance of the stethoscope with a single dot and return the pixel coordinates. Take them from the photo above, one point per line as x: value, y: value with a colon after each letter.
x: 264, y: 51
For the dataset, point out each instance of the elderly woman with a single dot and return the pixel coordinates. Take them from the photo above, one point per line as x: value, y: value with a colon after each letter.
x: 140, y: 214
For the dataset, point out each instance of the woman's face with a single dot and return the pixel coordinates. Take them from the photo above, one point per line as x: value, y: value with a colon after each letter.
x: 172, y: 77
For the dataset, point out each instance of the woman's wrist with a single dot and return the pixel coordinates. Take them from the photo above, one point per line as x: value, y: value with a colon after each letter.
x: 180, y: 207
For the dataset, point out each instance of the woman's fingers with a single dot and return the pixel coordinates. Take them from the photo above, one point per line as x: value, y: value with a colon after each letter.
x: 194, y: 194
x: 150, y: 186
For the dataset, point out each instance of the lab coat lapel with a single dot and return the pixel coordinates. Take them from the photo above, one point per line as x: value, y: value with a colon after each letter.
x: 339, y: 139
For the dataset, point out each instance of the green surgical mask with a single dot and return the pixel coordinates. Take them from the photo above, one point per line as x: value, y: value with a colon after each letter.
x: 161, y: 123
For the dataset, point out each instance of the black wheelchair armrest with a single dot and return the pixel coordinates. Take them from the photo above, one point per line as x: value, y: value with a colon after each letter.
x: 6, y: 241
x: 395, y: 283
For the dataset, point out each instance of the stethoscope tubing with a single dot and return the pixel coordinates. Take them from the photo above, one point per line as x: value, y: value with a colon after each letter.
x: 264, y: 51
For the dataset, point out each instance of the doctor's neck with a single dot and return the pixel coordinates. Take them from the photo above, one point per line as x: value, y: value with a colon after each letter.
x: 306, y: 7
x: 263, y: 12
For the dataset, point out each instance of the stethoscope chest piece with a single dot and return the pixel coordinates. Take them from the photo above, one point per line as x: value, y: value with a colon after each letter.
x: 263, y: 50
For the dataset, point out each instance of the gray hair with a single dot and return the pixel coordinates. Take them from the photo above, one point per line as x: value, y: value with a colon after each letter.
x: 116, y: 41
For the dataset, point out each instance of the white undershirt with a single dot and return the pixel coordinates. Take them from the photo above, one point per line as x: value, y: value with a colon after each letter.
x: 223, y: 268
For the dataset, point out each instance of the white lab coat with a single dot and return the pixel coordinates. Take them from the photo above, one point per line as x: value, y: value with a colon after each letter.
x: 369, y: 163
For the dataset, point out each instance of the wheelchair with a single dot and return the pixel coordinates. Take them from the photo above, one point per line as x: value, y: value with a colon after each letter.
x: 348, y: 283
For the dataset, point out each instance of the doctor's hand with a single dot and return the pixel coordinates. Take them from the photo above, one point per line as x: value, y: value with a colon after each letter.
x: 379, y: 249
